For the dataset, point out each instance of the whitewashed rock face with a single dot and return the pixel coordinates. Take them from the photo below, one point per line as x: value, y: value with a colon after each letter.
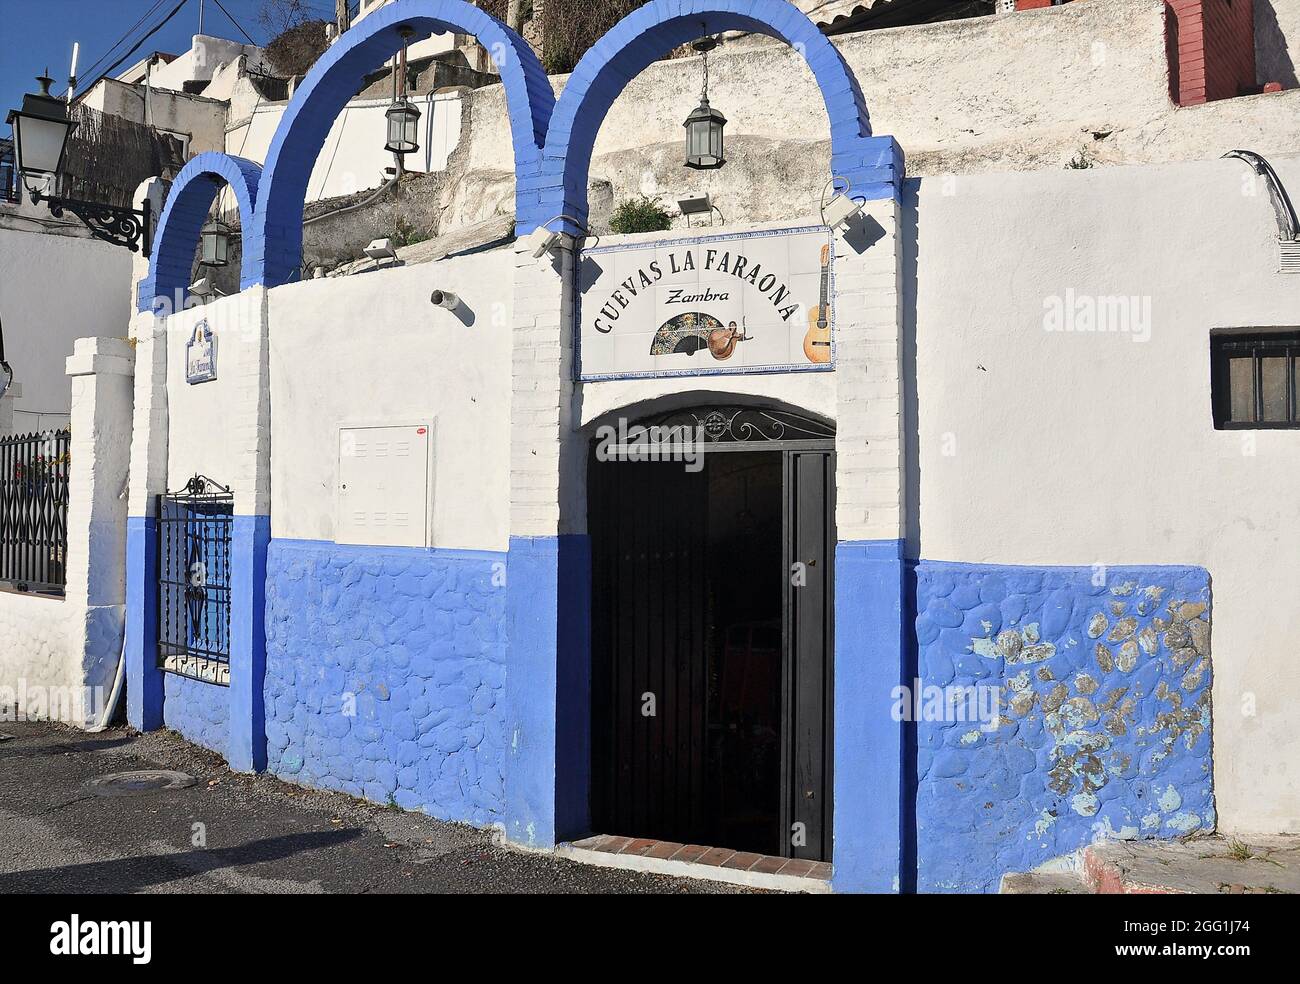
x: 35, y: 653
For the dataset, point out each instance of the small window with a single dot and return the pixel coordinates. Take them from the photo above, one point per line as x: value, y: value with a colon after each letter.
x: 1255, y: 379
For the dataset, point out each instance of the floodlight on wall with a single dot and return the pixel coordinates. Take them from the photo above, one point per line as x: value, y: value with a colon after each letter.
x: 380, y: 250
x: 204, y: 288
x: 542, y: 240
x: 693, y: 205
x: 841, y: 209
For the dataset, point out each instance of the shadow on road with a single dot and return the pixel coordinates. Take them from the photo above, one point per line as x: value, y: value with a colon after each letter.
x: 124, y: 875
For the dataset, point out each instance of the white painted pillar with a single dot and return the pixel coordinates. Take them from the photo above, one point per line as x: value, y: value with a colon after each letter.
x: 549, y: 564
x: 102, y: 371
x: 542, y: 414
x: 869, y: 486
x: 871, y: 659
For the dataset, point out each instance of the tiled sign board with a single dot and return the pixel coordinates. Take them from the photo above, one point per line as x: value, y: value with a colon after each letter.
x: 732, y: 303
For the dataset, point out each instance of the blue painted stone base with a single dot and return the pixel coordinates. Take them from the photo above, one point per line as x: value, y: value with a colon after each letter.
x: 199, y: 711
x: 144, y: 681
x: 385, y: 675
x: 869, y: 795
x: 1101, y: 680
x: 549, y: 688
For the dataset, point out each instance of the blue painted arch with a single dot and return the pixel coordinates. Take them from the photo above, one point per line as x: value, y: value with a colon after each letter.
x: 275, y: 243
x: 872, y: 166
x: 177, y: 232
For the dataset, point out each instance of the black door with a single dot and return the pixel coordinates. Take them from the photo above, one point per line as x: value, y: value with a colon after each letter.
x: 810, y: 590
x: 711, y: 645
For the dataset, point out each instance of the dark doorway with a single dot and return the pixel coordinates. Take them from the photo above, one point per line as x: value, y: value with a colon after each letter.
x: 712, y: 636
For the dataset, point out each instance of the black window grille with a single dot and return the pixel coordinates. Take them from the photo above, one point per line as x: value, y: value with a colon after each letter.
x: 194, y: 532
x: 34, y: 511
x: 1254, y: 380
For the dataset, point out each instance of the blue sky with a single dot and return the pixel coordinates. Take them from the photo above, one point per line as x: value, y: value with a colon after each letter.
x: 35, y: 34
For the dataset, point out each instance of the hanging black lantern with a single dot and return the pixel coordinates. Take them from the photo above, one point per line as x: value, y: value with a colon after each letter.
x: 215, y: 239
x: 403, y: 118
x: 704, y: 143
x: 403, y: 128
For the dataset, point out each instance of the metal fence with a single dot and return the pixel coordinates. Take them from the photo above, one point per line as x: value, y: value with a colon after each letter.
x: 34, y: 511
x: 194, y: 533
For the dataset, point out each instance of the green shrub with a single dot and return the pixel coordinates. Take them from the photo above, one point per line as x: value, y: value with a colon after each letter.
x: 640, y: 215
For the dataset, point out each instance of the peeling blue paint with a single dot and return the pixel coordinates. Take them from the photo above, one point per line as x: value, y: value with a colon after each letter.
x: 1104, y: 722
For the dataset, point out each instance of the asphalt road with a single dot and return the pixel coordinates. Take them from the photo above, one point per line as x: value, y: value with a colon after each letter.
x: 230, y: 833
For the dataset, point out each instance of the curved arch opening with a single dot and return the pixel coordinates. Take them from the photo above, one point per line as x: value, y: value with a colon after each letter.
x: 868, y: 165
x: 207, y: 176
x: 340, y: 74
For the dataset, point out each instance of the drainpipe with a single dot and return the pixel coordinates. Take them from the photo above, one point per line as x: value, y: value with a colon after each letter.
x: 6, y: 373
x: 148, y: 81
x: 1288, y: 227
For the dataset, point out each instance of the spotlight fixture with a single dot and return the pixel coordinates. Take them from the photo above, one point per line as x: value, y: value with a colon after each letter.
x: 203, y: 288
x: 542, y: 240
x: 841, y: 209
x: 380, y: 250
x: 693, y: 205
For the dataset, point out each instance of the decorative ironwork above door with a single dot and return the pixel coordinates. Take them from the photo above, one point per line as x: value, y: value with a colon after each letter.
x: 761, y: 426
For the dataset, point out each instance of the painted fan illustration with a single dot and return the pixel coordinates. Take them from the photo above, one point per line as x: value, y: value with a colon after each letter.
x: 685, y: 334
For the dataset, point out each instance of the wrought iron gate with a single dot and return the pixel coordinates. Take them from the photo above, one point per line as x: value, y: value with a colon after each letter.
x: 194, y: 533
x: 657, y: 615
x: 34, y: 511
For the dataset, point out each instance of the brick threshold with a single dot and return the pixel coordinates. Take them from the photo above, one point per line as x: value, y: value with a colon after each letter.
x: 698, y: 861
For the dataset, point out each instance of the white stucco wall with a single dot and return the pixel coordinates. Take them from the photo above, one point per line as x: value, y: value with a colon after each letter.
x: 370, y: 349
x: 1051, y: 448
x: 56, y: 289
x: 207, y: 421
x: 206, y: 57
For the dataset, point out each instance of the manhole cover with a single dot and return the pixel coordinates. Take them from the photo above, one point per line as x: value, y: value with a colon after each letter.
x: 144, y: 781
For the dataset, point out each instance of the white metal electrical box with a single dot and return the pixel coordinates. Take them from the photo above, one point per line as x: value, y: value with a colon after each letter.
x: 383, y: 494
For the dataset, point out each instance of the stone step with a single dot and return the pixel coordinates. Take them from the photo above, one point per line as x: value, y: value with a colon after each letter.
x: 1200, y: 866
x: 1042, y: 883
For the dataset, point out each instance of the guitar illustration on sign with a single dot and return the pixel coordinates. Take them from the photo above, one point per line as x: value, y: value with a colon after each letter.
x: 817, y: 342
